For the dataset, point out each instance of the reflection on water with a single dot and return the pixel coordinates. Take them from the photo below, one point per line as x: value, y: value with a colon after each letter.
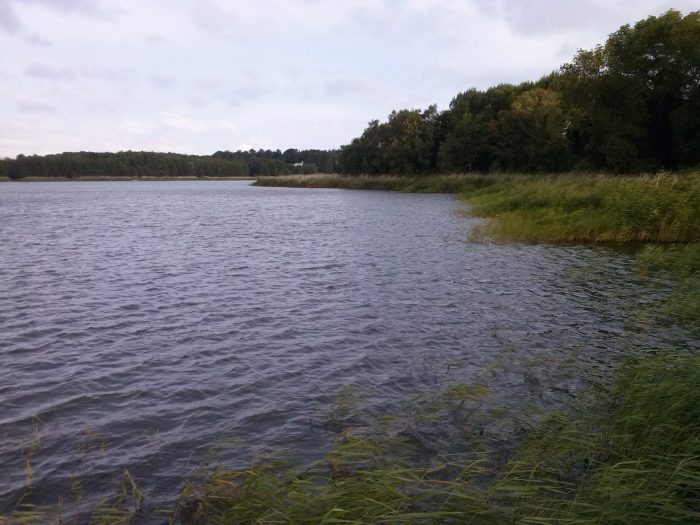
x: 144, y: 322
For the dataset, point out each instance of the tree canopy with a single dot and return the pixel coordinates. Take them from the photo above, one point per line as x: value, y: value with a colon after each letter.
x: 153, y: 165
x: 631, y: 104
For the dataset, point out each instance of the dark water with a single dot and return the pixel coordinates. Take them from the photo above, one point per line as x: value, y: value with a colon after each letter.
x: 142, y: 323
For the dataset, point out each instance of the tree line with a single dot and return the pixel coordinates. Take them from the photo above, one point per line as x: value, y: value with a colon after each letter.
x: 138, y: 164
x: 632, y: 104
x: 629, y: 105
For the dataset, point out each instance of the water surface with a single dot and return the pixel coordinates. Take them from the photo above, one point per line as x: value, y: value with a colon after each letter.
x: 143, y: 323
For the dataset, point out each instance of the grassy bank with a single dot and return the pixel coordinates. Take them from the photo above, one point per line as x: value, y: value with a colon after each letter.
x: 109, y: 178
x: 558, y: 208
x: 629, y: 455
x: 662, y: 208
x: 433, y: 184
x: 681, y: 264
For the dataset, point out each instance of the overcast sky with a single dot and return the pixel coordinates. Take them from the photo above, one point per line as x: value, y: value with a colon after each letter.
x: 199, y: 76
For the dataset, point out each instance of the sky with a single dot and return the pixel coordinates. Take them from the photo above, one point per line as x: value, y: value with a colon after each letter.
x: 197, y: 76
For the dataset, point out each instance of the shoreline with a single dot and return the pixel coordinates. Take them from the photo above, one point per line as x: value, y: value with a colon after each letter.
x: 121, y: 179
x: 552, y: 208
x: 107, y: 178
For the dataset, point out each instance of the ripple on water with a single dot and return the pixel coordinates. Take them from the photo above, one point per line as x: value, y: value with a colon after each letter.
x: 144, y: 323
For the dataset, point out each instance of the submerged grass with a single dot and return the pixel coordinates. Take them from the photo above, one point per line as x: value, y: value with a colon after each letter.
x: 680, y: 263
x: 636, y: 461
x: 630, y: 455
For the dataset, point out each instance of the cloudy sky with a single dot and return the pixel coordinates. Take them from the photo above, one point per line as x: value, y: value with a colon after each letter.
x: 196, y: 76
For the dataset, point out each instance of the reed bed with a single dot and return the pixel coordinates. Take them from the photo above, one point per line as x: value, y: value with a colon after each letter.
x: 628, y: 455
x: 421, y: 184
x: 680, y: 263
x: 660, y: 209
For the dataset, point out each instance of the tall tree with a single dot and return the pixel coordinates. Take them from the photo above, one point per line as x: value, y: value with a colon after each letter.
x: 530, y: 136
x: 634, y: 101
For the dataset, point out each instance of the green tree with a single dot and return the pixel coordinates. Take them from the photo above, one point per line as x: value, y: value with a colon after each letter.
x: 530, y: 136
x: 468, y: 123
x: 633, y: 103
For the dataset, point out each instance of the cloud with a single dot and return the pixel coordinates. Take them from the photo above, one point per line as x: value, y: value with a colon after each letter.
x: 162, y: 81
x: 37, y: 40
x: 246, y: 93
x: 95, y: 8
x: 543, y: 16
x: 353, y: 87
x: 9, y: 22
x: 153, y: 38
x: 47, y: 72
x: 537, y: 17
x: 33, y: 106
x: 216, y: 21
x: 292, y: 18
x: 67, y: 74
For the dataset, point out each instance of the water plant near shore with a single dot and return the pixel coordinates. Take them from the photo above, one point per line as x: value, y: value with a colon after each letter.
x: 628, y: 455
x: 661, y: 208
x: 681, y: 264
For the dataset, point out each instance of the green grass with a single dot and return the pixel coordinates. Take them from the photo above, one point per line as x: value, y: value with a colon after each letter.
x: 681, y: 264
x: 635, y: 461
x: 628, y: 455
x: 431, y: 184
x: 663, y: 208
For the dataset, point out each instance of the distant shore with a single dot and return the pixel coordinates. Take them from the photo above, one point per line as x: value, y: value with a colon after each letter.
x: 112, y: 179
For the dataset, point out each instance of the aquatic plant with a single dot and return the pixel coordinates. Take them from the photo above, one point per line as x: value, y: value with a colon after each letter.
x: 627, y: 455
x: 565, y: 208
x: 681, y: 264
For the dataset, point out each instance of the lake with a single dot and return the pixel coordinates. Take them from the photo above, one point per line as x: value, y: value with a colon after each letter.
x: 156, y: 326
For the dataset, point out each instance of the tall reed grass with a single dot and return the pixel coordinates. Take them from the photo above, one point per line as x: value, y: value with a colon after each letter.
x: 628, y: 455
x: 432, y: 184
x: 681, y: 264
x: 661, y: 208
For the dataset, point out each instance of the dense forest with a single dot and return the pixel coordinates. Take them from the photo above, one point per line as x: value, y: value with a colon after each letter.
x: 152, y: 165
x: 630, y: 105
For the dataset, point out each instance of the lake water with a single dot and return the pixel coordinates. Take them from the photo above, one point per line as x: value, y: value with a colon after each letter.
x: 144, y: 324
